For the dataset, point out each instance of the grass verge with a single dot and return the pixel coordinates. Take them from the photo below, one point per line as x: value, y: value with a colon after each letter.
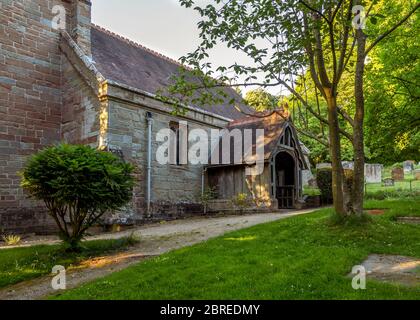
x: 21, y: 264
x: 304, y: 257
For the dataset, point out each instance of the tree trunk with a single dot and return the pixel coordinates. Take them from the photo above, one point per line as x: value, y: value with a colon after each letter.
x: 358, y: 143
x: 335, y: 153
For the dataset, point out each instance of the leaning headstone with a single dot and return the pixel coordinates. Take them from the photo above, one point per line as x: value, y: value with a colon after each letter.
x: 323, y: 165
x: 417, y: 174
x: 397, y: 174
x: 373, y: 173
x: 408, y: 166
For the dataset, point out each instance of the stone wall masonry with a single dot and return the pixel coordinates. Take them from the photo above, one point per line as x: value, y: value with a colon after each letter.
x: 80, y: 24
x: 30, y: 101
x: 49, y: 93
x: 137, y: 98
x: 81, y: 108
x: 174, y: 188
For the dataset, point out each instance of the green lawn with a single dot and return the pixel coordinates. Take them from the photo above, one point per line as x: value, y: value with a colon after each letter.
x: 21, y: 264
x: 398, y: 186
x: 303, y: 257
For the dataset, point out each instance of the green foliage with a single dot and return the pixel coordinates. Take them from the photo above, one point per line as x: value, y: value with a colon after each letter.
x: 261, y: 100
x: 397, y: 166
x: 279, y: 56
x: 324, y: 183
x: 307, y: 122
x: 308, y: 191
x: 78, y: 184
x: 393, y: 91
x: 205, y: 197
x: 241, y: 201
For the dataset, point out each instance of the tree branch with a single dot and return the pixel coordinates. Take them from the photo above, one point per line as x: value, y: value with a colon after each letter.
x: 312, y: 136
x: 336, y: 10
x: 314, y: 10
x: 309, y: 108
x: 346, y: 116
x: 342, y: 59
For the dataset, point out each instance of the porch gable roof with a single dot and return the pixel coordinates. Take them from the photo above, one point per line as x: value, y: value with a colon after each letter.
x: 274, y: 126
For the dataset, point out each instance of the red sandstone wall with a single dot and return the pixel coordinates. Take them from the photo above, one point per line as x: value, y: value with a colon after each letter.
x: 30, y: 101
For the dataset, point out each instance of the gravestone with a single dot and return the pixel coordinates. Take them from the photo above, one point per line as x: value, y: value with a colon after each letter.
x: 389, y: 182
x: 397, y: 174
x: 306, y: 177
x: 348, y: 165
x: 408, y: 166
x: 323, y: 165
x: 373, y: 173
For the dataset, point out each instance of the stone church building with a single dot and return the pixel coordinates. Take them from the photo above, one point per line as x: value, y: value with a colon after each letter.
x: 86, y: 85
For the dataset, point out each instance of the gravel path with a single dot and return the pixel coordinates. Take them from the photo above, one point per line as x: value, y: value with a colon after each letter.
x: 155, y: 240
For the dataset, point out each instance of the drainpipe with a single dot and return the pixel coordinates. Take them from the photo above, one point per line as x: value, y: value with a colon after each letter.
x: 203, y: 174
x: 149, y: 118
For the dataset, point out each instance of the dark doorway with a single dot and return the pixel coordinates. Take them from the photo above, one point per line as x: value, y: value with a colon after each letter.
x: 285, y: 180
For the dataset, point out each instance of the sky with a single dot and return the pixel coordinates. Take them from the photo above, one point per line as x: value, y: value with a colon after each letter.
x: 161, y: 25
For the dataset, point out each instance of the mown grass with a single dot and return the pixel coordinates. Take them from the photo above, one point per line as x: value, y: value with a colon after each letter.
x: 21, y: 264
x: 304, y: 257
x: 311, y: 191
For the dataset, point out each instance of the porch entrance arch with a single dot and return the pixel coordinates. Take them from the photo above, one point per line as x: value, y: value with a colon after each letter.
x: 285, y: 178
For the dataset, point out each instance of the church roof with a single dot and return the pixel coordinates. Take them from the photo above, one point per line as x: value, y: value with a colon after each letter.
x: 134, y: 65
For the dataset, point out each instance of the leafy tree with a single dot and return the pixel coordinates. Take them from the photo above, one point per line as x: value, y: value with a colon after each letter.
x: 393, y: 94
x: 78, y: 184
x: 261, y: 100
x: 285, y: 39
x: 392, y: 97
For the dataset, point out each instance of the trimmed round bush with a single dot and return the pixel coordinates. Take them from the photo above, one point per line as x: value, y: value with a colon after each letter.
x: 78, y: 185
